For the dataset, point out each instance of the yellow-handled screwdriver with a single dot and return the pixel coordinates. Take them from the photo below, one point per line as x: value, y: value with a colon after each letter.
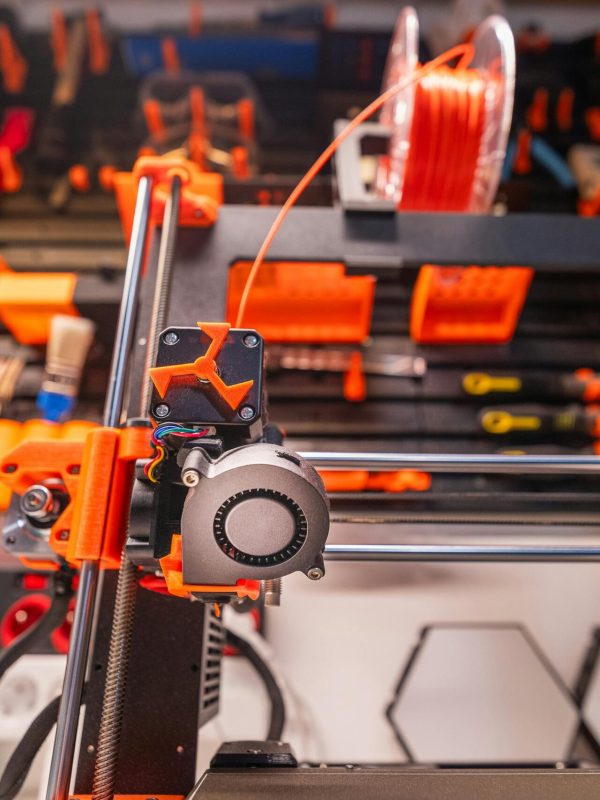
x: 582, y: 385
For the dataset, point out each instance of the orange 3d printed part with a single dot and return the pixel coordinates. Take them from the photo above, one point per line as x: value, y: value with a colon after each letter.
x: 460, y: 305
x: 303, y: 301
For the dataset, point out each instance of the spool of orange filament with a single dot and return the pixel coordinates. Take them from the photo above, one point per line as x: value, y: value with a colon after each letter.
x: 449, y: 130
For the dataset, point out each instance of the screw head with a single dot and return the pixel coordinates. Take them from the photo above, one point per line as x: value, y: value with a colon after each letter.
x: 171, y: 337
x: 35, y: 499
x: 162, y: 410
x: 315, y: 573
x: 246, y: 412
x: 10, y: 540
x: 251, y: 340
x: 191, y: 477
x: 62, y: 536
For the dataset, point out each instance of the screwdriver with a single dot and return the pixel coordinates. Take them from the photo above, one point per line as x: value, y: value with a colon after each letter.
x: 572, y: 420
x: 582, y: 385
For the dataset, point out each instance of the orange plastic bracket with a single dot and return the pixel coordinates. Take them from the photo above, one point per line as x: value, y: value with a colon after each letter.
x: 97, y: 475
x: 204, y: 368
x: 460, y: 305
x: 36, y: 461
x: 172, y: 567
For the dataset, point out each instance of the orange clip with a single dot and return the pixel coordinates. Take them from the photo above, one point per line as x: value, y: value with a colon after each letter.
x: 195, y: 24
x: 106, y: 177
x: 14, y: 67
x: 239, y: 162
x: 79, y: 178
x: 564, y: 109
x: 172, y: 567
x: 59, y: 39
x: 170, y: 55
x: 154, y: 120
x: 246, y: 120
x: 204, y: 368
x: 97, y: 44
x: 591, y: 382
x: 537, y: 113
x: 592, y: 120
x: 522, y: 165
x: 197, y: 109
x: 11, y: 175
x: 355, y: 384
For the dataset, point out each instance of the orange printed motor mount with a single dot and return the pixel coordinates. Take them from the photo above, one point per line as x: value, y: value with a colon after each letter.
x: 204, y: 368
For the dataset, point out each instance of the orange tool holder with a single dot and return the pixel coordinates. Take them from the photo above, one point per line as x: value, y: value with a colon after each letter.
x: 29, y: 300
x: 201, y: 193
x: 97, y: 474
x: 463, y: 305
x: 304, y: 301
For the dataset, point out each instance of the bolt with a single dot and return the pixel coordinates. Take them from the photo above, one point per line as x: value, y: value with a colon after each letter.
x: 90, y: 748
x: 34, y: 499
x: 62, y: 536
x: 251, y: 340
x: 191, y: 477
x: 8, y: 468
x: 254, y: 752
x: 38, y: 503
x: 74, y: 469
x: 10, y: 540
x: 315, y: 573
x: 171, y: 337
x: 272, y: 591
x: 162, y: 410
x: 247, y: 413
x: 180, y: 748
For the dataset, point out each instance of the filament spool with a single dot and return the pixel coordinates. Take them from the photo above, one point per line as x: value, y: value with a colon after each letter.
x: 448, y: 131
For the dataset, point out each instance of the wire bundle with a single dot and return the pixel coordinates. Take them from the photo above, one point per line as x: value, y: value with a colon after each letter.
x: 162, y: 431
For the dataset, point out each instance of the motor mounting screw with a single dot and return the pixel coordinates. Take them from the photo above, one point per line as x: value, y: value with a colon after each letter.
x: 247, y: 413
x: 315, y: 573
x: 162, y: 410
x: 251, y: 340
x: 171, y: 337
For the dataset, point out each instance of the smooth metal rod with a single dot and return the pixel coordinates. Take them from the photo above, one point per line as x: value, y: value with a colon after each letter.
x: 125, y: 326
x: 458, y: 552
x: 68, y: 714
x: 435, y: 462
